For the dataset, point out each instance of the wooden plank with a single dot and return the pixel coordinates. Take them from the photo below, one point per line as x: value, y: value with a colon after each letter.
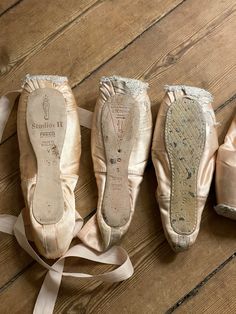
x: 6, y: 5
x: 79, y: 48
x: 86, y: 93
x: 216, y: 296
x: 177, y: 51
x: 77, y: 37
x: 156, y: 266
x: 31, y: 24
x: 195, y: 66
x: 29, y: 279
x: 191, y: 54
x: 160, y: 275
x: 183, y: 58
x: 11, y: 201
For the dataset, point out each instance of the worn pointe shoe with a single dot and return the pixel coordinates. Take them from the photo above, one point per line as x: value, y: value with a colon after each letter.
x: 183, y: 153
x: 226, y: 175
x: 49, y: 140
x: 121, y: 136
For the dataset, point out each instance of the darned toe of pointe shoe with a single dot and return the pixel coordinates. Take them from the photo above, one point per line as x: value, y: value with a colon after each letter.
x: 226, y: 211
x: 110, y: 236
x: 181, y: 243
x: 51, y: 242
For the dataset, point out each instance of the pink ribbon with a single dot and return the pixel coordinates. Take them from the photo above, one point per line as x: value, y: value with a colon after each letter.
x: 48, y: 293
x: 15, y: 226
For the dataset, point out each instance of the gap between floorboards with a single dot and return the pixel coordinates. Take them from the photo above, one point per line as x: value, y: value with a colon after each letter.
x: 191, y: 293
x: 201, y: 284
x: 11, y: 7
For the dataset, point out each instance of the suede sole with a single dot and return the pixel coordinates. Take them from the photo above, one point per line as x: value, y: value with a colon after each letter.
x: 120, y: 120
x: 46, y: 123
x: 185, y: 137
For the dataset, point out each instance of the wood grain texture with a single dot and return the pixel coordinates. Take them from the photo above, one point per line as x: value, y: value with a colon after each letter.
x: 30, y: 25
x: 195, y: 50
x: 77, y: 48
x: 194, y: 68
x: 68, y: 35
x: 160, y: 277
x: 216, y: 296
x: 11, y: 202
x: 191, y: 46
x: 7, y: 5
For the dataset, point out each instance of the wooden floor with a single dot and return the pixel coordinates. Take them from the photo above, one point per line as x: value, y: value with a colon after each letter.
x: 163, y: 42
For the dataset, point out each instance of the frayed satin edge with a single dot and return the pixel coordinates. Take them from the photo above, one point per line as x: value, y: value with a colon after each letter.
x: 52, y: 78
x: 203, y: 97
x: 226, y: 211
x: 132, y: 84
x: 199, y: 94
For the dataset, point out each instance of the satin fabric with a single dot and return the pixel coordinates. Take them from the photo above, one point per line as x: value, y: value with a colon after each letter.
x: 96, y: 233
x: 226, y: 174
x: 161, y: 163
x: 52, y: 240
x: 14, y: 225
x: 49, y: 290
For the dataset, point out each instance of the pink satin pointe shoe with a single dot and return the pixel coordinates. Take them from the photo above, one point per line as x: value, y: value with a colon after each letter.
x: 49, y: 140
x: 183, y: 153
x: 226, y: 175
x: 121, y: 137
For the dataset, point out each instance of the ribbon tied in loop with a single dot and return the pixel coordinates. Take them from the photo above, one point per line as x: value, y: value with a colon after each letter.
x: 15, y: 226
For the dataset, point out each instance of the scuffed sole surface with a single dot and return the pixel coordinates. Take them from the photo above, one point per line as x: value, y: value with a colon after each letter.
x: 46, y: 123
x: 120, y: 120
x: 185, y: 141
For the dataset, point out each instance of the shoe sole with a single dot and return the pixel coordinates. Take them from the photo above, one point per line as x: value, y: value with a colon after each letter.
x: 185, y: 130
x: 119, y: 121
x: 46, y: 123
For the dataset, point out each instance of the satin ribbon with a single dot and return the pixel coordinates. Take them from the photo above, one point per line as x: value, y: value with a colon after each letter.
x: 15, y: 226
x: 48, y: 293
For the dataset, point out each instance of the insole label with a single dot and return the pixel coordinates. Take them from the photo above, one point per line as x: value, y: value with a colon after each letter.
x: 119, y: 112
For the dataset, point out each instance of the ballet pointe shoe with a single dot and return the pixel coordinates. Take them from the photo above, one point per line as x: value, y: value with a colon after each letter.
x: 183, y: 154
x: 49, y: 140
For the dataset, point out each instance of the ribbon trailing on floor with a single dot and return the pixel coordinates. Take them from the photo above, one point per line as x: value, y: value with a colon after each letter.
x: 13, y: 225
